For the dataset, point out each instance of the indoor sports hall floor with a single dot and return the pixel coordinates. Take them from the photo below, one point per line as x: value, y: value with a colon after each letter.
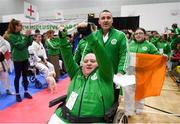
x: 37, y: 111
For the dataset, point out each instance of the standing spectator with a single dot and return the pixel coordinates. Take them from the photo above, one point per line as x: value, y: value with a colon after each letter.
x: 19, y: 49
x: 155, y: 37
x: 7, y: 55
x: 4, y: 47
x: 164, y: 46
x: 37, y: 31
x: 81, y: 47
x: 76, y: 40
x: 175, y: 29
x: 52, y: 44
x: 139, y: 45
x: 114, y: 42
x: 128, y: 35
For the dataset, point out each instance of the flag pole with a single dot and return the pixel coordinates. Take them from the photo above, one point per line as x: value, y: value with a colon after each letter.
x: 30, y: 22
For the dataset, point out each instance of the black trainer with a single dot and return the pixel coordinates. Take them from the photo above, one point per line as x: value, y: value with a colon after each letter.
x: 18, y: 98
x: 8, y: 92
x: 27, y: 95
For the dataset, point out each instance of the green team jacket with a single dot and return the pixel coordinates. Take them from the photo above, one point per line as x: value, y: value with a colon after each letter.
x: 165, y: 46
x: 142, y: 47
x: 95, y: 93
x: 19, y: 46
x: 154, y: 40
x: 177, y: 31
x: 80, y: 50
x: 53, y: 46
x: 174, y: 40
x: 116, y: 48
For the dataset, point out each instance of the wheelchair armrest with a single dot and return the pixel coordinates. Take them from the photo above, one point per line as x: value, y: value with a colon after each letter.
x: 109, y: 115
x: 57, y: 100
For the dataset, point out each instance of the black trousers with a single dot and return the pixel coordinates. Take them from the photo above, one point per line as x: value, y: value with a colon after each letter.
x: 21, y: 68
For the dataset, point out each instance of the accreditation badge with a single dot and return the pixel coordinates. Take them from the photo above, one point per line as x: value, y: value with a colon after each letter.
x: 71, y: 101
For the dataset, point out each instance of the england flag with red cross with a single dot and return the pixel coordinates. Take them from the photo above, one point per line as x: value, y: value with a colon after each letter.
x: 30, y: 11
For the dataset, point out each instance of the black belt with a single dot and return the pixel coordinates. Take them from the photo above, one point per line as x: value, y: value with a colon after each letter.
x: 3, y: 66
x: 73, y: 119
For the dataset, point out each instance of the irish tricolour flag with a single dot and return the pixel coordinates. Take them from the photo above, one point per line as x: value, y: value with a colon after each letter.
x: 147, y: 71
x: 150, y: 72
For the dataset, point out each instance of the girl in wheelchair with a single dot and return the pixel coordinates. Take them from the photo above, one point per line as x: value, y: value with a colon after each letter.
x: 38, y: 58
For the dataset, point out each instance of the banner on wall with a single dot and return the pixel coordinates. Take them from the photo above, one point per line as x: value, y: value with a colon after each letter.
x: 44, y: 26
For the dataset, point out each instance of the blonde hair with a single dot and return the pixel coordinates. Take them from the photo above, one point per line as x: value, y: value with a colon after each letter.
x: 48, y: 34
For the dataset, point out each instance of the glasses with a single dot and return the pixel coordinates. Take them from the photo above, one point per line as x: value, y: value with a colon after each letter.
x: 140, y: 33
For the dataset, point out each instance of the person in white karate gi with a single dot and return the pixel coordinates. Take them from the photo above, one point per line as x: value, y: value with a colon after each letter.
x: 39, y: 60
x: 4, y: 47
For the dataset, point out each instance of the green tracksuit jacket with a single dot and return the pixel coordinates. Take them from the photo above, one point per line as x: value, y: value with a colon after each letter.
x: 142, y: 47
x: 80, y: 50
x: 116, y: 48
x: 95, y: 93
x: 19, y: 46
x: 165, y: 46
x: 53, y: 46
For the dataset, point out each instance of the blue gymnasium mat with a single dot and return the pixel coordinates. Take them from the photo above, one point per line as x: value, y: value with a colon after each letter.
x: 8, y: 100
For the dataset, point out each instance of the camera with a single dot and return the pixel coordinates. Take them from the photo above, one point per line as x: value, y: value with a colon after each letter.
x: 85, y: 31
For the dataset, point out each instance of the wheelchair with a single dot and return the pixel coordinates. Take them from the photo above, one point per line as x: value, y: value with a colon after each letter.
x: 112, y: 116
x: 32, y: 73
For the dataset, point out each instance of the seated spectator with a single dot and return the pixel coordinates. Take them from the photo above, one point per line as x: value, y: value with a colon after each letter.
x: 40, y: 57
x: 52, y: 43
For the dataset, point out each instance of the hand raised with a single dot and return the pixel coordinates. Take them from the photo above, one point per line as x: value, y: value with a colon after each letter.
x: 62, y: 32
x: 28, y: 32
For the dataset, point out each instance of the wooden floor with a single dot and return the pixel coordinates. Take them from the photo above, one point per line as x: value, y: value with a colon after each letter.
x: 168, y: 101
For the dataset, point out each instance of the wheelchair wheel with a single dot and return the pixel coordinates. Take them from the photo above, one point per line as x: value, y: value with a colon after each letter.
x: 38, y: 84
x: 32, y: 78
x: 120, y: 118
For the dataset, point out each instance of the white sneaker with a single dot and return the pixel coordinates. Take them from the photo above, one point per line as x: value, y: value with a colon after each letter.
x: 139, y: 111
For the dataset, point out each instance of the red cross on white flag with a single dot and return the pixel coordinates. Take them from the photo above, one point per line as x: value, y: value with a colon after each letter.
x: 30, y: 10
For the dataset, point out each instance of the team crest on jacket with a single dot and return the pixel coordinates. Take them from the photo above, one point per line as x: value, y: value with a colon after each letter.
x: 113, y: 41
x: 144, y: 48
x: 94, y: 77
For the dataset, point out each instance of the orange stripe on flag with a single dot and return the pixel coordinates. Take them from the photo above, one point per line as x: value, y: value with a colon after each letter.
x: 150, y: 75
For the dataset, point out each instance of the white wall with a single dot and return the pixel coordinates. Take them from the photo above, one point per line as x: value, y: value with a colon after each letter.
x: 76, y: 8
x: 154, y: 16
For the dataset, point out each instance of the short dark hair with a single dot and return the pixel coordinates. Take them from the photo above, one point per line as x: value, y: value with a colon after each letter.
x: 36, y: 34
x: 105, y: 10
x: 174, y: 25
x: 37, y: 31
x: 142, y: 29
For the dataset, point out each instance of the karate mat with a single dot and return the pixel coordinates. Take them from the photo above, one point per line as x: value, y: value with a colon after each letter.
x: 35, y: 110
